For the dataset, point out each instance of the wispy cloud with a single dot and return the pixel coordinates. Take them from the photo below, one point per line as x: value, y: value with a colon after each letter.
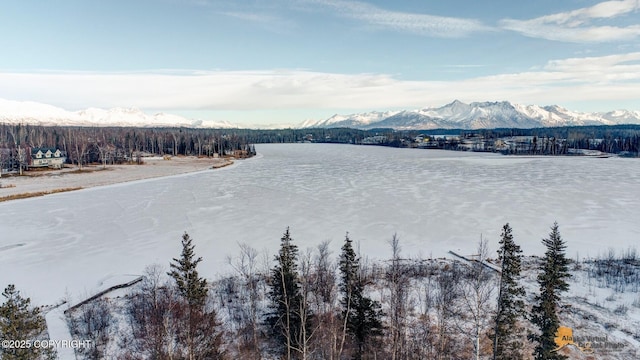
x: 267, y: 20
x: 600, y: 67
x: 576, y: 25
x: 422, y: 24
x: 255, y: 17
x: 267, y: 15
x: 463, y: 66
x: 270, y: 13
x: 607, y: 78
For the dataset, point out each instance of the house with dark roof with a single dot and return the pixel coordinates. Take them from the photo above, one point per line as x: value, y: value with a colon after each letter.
x: 47, y: 157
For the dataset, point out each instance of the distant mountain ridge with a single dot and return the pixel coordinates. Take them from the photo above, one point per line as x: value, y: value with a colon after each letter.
x: 456, y: 115
x: 478, y: 115
x: 27, y: 112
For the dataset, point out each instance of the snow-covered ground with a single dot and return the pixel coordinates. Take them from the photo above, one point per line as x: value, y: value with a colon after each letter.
x: 97, y: 175
x: 72, y: 244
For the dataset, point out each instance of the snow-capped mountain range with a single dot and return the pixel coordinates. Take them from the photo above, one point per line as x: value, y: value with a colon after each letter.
x: 478, y: 115
x: 27, y: 112
x: 456, y: 115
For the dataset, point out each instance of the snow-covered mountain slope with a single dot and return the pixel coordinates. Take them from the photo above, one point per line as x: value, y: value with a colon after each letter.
x: 456, y: 115
x: 478, y: 115
x: 27, y: 112
x: 622, y: 116
x: 353, y: 121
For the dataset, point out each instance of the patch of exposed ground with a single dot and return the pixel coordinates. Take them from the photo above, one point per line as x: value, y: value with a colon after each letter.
x: 43, y: 182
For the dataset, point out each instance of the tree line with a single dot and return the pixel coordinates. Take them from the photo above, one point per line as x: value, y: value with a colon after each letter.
x: 606, y: 138
x: 83, y: 145
x: 109, y: 145
x: 308, y: 306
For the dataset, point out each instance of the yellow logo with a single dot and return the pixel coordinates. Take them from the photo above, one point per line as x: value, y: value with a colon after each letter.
x: 564, y: 337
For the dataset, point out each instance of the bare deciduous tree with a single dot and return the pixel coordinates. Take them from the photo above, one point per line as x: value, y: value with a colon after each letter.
x: 151, y: 310
x: 92, y: 321
x: 329, y: 332
x: 246, y: 266
x: 398, y: 282
x: 446, y: 296
x: 476, y: 298
x: 80, y: 145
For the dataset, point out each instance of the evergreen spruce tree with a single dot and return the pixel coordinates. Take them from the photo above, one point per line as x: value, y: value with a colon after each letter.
x: 190, y: 285
x: 199, y: 337
x: 20, y: 321
x: 552, y: 279
x: 349, y: 273
x: 507, y: 339
x: 286, y: 301
x: 361, y: 315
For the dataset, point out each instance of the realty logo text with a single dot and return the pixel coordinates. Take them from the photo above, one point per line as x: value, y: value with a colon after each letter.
x: 586, y: 344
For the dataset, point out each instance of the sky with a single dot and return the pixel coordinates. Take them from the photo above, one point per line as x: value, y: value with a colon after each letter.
x: 287, y: 61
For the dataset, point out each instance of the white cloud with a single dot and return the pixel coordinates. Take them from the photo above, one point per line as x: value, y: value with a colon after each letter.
x: 269, y: 21
x: 255, y: 17
x: 613, y: 78
x: 422, y: 24
x: 603, y: 65
x: 607, y: 9
x: 574, y: 26
x: 266, y: 13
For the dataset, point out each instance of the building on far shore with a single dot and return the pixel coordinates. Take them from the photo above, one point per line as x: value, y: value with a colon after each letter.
x: 46, y: 157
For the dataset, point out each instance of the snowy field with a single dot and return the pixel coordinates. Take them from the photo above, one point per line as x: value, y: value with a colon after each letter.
x: 75, y: 243
x: 93, y: 175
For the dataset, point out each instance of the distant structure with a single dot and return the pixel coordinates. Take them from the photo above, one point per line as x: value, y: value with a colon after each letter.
x: 47, y: 157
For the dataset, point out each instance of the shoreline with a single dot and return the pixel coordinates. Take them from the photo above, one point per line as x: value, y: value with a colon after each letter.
x: 41, y: 183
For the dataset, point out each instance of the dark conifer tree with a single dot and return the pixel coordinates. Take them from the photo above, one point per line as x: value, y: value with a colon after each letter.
x: 199, y: 335
x: 552, y: 279
x: 286, y: 300
x: 190, y: 285
x: 507, y: 339
x: 361, y: 314
x: 349, y: 273
x: 20, y: 321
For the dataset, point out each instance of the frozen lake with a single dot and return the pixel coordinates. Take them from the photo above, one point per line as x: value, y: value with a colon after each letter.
x: 435, y: 201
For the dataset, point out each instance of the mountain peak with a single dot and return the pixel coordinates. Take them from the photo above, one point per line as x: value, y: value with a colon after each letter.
x: 455, y: 103
x: 455, y: 115
x: 476, y: 115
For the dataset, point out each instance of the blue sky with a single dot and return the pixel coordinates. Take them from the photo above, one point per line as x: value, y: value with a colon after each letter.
x: 285, y: 61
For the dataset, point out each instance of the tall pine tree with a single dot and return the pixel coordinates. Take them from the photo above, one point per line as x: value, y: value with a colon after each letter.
x: 361, y: 315
x: 20, y: 321
x: 552, y: 279
x: 286, y: 299
x: 199, y: 336
x: 507, y: 341
x: 190, y: 285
